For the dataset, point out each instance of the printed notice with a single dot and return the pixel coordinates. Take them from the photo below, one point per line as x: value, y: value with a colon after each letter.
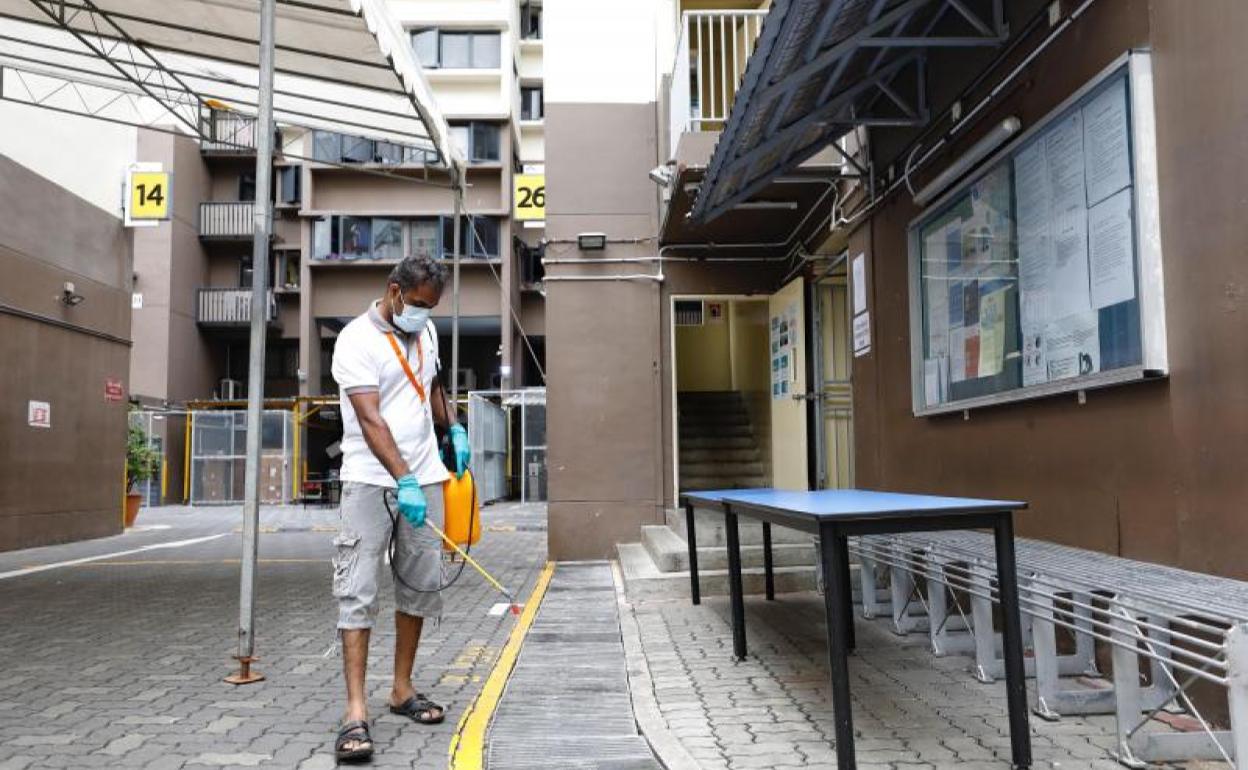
x: 860, y: 283
x: 957, y: 354
x: 931, y: 381
x: 1073, y: 346
x: 39, y: 414
x: 1064, y: 152
x: 1108, y: 162
x: 936, y: 294
x: 1110, y: 261
x: 992, y: 333
x: 862, y: 334
x: 1069, y: 288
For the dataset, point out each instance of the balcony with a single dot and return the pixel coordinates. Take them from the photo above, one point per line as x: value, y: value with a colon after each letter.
x: 710, y: 61
x: 229, y: 134
x: 227, y: 221
x: 227, y: 308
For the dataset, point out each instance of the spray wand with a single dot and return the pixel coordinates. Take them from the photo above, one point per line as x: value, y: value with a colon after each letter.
x: 511, y: 600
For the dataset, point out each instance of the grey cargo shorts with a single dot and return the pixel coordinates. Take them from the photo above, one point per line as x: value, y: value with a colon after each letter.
x: 359, y: 556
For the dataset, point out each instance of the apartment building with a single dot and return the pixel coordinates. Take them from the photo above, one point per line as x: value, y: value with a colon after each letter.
x: 346, y: 209
x: 910, y: 337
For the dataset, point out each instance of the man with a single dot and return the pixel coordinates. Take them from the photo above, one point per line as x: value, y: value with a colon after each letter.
x: 386, y: 365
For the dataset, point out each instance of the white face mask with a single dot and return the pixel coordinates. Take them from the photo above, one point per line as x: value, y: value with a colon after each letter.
x: 411, y: 319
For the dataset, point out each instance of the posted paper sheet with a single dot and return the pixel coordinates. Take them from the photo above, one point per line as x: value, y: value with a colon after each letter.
x: 1108, y: 162
x: 1073, y: 346
x: 1111, y: 262
x: 992, y: 333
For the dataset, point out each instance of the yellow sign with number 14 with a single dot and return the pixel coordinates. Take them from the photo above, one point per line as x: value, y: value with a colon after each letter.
x: 149, y: 195
x: 530, y: 196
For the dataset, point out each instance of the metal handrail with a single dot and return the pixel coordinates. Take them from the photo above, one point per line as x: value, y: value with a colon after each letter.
x: 227, y: 219
x: 230, y: 306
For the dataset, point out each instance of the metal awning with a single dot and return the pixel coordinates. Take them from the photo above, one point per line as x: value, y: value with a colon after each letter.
x: 824, y: 67
x: 340, y: 65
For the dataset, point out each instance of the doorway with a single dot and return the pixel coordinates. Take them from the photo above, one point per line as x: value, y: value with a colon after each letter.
x: 833, y: 374
x: 721, y: 427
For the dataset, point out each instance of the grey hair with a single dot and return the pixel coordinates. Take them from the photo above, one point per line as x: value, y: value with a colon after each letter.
x: 418, y: 270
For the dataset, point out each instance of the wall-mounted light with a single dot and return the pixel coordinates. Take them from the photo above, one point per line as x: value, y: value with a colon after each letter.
x: 591, y: 241
x: 998, y: 136
x: 69, y: 297
x: 662, y: 175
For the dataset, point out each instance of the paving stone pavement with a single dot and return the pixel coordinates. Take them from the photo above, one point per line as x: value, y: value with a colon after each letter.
x: 912, y: 711
x: 119, y: 662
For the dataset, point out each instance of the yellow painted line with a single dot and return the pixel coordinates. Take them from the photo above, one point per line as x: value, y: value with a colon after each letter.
x: 467, y: 750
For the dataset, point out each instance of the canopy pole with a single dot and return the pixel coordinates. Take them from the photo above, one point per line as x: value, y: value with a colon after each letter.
x: 261, y: 227
x: 457, y: 241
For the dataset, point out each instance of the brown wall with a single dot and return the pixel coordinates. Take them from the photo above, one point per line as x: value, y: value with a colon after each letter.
x: 62, y: 483
x: 609, y: 372
x: 1151, y: 471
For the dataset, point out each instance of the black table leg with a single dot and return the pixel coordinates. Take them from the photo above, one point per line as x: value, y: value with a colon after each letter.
x: 768, y: 573
x: 734, y: 585
x: 1015, y: 685
x: 847, y: 591
x: 695, y: 590
x: 835, y: 568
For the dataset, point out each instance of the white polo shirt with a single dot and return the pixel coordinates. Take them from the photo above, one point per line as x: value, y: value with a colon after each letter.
x: 365, y: 361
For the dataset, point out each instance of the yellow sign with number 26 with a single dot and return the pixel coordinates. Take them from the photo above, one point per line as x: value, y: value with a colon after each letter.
x: 149, y: 195
x: 530, y: 197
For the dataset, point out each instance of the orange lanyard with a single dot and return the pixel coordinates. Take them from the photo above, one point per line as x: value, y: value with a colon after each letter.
x: 407, y: 369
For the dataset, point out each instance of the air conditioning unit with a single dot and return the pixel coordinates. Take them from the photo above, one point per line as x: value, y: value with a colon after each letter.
x: 231, y: 390
x: 466, y: 379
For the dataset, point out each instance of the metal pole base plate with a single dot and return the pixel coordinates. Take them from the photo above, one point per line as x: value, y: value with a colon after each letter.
x: 245, y: 675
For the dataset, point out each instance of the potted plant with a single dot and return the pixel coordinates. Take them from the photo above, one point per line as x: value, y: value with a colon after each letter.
x: 141, y: 464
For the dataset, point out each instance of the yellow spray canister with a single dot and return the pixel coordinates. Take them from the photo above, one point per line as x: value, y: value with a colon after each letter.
x: 462, y: 511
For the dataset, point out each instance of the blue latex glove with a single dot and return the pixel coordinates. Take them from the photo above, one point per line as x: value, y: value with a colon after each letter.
x: 459, y: 443
x: 412, y: 500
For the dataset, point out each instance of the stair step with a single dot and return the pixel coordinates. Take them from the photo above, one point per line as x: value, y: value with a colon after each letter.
x: 717, y: 431
x: 711, y: 529
x: 718, y: 418
x: 670, y: 552
x: 712, y: 442
x: 643, y: 580
x: 720, y: 455
x: 751, y: 469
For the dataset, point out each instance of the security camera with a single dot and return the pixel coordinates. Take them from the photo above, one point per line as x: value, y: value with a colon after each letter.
x: 69, y: 297
x: 662, y: 175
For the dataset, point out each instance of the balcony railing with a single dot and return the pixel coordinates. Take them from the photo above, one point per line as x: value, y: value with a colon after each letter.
x: 710, y: 61
x: 229, y: 133
x: 231, y: 307
x: 227, y: 220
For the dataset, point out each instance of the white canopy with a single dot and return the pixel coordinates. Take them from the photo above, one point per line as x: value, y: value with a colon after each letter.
x: 340, y: 65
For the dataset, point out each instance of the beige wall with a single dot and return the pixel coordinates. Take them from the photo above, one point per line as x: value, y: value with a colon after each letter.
x: 704, y: 355
x: 62, y: 483
x: 788, y: 417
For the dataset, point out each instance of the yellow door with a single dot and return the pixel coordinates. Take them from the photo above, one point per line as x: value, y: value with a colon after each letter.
x: 787, y: 324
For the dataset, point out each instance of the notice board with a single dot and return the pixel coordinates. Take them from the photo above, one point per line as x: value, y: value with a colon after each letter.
x: 1041, y: 273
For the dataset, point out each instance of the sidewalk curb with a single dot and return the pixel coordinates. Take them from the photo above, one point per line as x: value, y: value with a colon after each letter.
x: 670, y: 752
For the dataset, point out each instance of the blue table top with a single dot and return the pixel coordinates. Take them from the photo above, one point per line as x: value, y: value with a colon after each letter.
x: 851, y: 503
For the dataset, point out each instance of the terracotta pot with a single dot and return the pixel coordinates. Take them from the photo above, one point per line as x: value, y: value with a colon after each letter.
x: 133, y: 501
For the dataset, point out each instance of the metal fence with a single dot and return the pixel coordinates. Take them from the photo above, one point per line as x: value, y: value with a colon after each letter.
x: 218, y: 454
x: 227, y: 219
x: 507, y: 430
x: 710, y: 61
x: 230, y: 307
x: 230, y: 133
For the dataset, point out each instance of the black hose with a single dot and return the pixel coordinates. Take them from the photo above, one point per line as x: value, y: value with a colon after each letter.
x: 393, y: 547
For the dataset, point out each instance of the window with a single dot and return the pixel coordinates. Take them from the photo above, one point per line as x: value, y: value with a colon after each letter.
x: 479, y: 142
x: 288, y: 183
x: 688, y: 312
x: 247, y: 186
x: 426, y: 237
x: 322, y: 239
x: 357, y: 149
x: 530, y: 20
x: 446, y: 49
x: 327, y: 146
x: 354, y: 237
x: 388, y: 153
x: 245, y: 272
x: 531, y: 105
x: 387, y: 239
x: 480, y: 241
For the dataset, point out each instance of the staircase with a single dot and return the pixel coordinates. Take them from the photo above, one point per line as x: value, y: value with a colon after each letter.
x: 718, y: 450
x: 718, y: 447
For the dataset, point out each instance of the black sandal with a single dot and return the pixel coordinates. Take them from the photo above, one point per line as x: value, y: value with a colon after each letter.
x: 354, y: 732
x: 419, y: 708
